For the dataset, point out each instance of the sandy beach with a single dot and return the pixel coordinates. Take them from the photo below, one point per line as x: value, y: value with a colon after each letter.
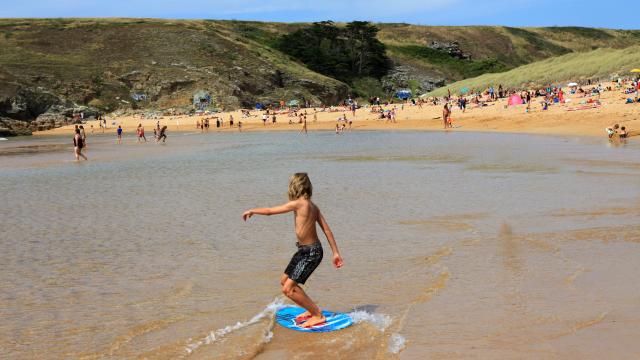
x: 559, y: 119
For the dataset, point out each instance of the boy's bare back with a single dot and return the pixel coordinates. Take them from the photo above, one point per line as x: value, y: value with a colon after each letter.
x: 306, y: 214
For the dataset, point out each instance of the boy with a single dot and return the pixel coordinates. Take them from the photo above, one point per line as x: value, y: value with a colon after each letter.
x: 309, y: 254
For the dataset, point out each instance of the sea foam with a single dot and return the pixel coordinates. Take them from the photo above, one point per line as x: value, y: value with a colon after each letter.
x: 218, y: 334
x: 397, y: 343
x: 380, y: 321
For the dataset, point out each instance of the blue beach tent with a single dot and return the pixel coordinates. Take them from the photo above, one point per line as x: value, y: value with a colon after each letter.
x: 403, y: 94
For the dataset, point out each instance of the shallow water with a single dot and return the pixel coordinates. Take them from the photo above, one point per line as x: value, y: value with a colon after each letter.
x: 456, y: 245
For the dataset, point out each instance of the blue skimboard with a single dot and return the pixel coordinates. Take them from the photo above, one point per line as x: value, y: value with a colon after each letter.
x: 286, y: 317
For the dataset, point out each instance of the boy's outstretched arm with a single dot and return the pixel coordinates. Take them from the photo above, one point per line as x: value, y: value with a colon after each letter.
x: 337, y: 259
x: 290, y: 206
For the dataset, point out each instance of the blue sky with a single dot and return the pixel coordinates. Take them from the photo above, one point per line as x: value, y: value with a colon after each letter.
x: 622, y: 14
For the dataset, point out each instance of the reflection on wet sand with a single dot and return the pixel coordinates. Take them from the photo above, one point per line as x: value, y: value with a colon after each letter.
x: 34, y: 149
x: 454, y: 248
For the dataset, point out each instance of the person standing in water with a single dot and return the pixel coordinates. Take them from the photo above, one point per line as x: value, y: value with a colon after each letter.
x: 446, y: 114
x: 140, y: 132
x: 309, y: 255
x: 162, y: 134
x: 84, y: 136
x: 304, y: 126
x: 78, y: 145
x: 119, y: 132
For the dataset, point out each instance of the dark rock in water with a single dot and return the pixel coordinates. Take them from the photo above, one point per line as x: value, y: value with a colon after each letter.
x: 27, y: 104
x: 61, y: 115
x: 33, y: 109
x: 452, y: 48
x: 12, y: 127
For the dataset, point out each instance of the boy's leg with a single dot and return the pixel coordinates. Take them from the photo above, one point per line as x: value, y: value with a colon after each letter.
x: 305, y: 315
x: 294, y: 292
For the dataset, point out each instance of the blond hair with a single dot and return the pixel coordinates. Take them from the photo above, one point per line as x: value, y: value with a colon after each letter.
x: 300, y: 186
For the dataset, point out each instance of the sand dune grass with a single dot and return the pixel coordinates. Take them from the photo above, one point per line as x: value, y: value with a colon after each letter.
x: 600, y: 63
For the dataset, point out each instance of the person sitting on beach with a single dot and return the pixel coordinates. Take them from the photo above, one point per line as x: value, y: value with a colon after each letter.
x: 309, y: 253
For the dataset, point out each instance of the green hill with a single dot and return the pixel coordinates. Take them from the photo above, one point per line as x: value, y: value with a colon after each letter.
x: 61, y: 66
x: 600, y: 63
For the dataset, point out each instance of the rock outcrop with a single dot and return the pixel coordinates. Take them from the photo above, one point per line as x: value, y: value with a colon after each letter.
x: 450, y: 47
x: 404, y: 77
x: 35, y: 109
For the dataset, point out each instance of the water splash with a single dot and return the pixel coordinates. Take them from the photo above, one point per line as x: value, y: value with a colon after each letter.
x: 397, y: 343
x: 380, y: 321
x: 218, y: 334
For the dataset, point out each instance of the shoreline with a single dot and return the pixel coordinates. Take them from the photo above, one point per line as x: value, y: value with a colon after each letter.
x: 559, y: 119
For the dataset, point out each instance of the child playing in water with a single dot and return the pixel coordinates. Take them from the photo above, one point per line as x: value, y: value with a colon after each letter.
x: 309, y: 254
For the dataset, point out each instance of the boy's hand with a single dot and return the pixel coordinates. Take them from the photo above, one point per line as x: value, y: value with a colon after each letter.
x: 247, y: 214
x: 337, y: 261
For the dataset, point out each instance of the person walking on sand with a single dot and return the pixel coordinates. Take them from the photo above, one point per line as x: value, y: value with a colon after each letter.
x: 78, y: 145
x: 119, y: 132
x: 309, y: 255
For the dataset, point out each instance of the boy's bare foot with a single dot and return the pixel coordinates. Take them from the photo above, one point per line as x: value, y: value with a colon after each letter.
x: 313, y: 321
x: 303, y: 317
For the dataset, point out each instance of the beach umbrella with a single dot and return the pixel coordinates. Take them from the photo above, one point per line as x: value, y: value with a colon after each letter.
x: 635, y: 71
x: 515, y: 100
x: 464, y: 90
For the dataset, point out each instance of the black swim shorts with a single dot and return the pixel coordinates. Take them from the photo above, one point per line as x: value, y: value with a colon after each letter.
x: 304, y: 262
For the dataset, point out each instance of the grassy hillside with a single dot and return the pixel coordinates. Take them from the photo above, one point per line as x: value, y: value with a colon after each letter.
x: 493, y: 48
x: 103, y: 62
x: 556, y: 70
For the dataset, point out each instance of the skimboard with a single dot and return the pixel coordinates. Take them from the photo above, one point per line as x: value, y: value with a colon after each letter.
x: 286, y: 317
